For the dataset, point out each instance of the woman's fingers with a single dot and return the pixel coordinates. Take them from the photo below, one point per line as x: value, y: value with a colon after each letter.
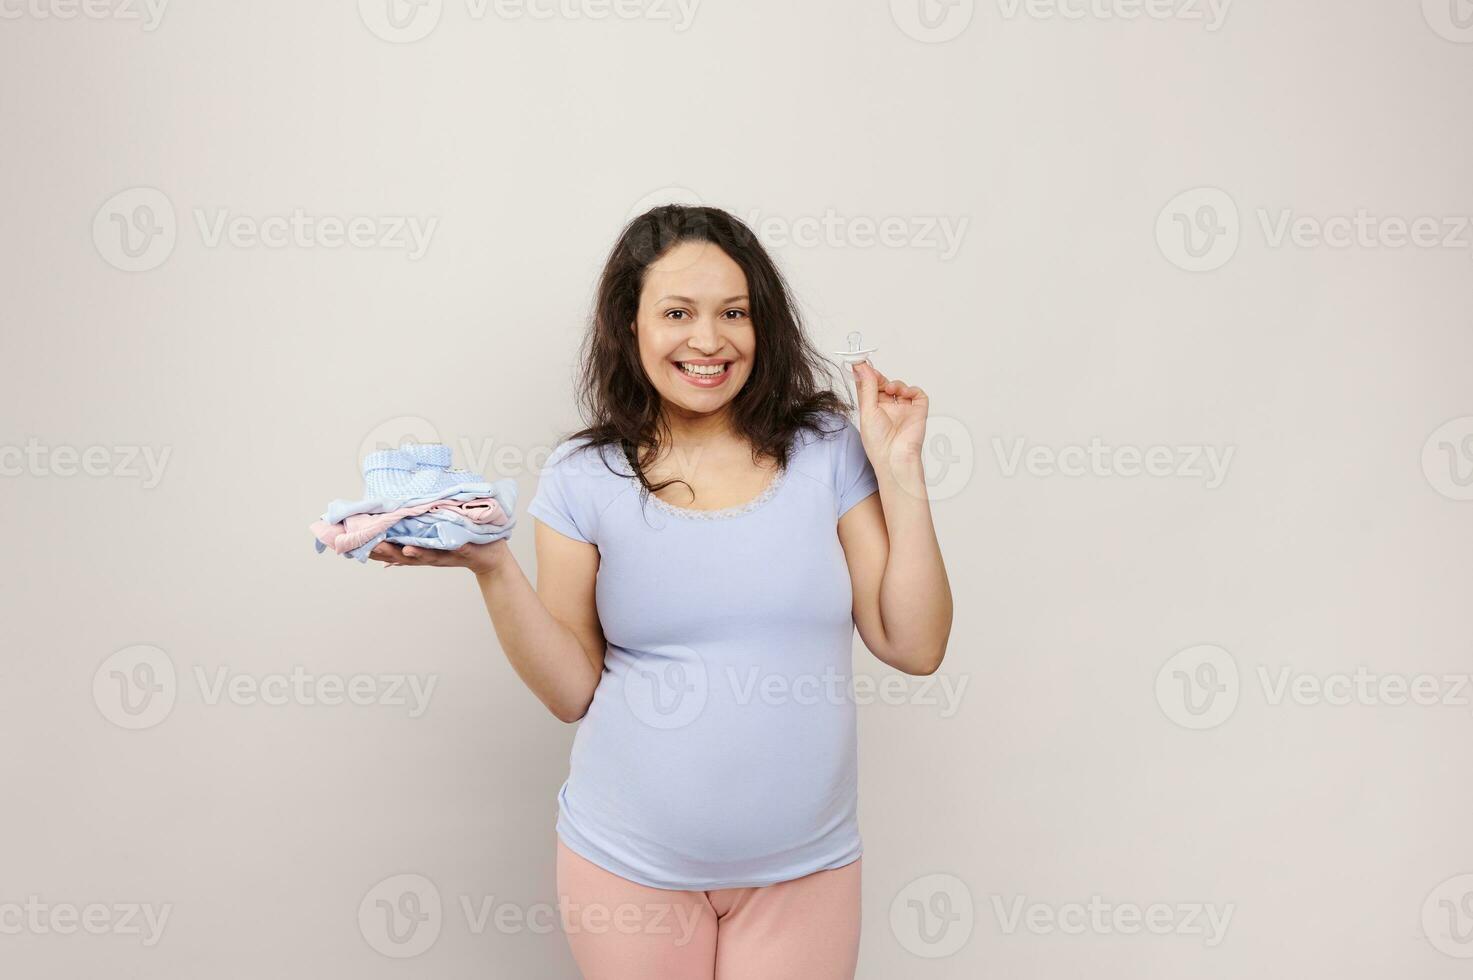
x: 385, y: 552
x: 868, y: 381
x: 393, y: 554
x: 432, y: 556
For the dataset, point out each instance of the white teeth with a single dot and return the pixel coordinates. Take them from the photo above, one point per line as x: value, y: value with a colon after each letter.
x: 705, y: 370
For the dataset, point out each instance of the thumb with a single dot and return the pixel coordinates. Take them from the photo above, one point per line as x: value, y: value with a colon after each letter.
x: 865, y: 383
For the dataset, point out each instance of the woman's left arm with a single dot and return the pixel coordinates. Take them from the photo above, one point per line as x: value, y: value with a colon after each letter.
x: 902, y: 599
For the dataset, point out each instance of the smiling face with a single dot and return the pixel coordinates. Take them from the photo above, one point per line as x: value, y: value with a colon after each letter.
x: 694, y: 328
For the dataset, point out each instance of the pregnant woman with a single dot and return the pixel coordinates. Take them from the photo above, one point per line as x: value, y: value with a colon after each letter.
x: 706, y: 548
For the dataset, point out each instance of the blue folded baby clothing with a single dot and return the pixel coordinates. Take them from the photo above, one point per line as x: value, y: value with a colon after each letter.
x: 412, y: 476
x: 446, y: 532
x: 413, y: 472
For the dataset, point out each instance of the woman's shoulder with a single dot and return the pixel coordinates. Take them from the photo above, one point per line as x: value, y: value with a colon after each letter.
x: 576, y: 484
x: 828, y: 448
x: 580, y: 452
x: 829, y: 430
x: 835, y: 456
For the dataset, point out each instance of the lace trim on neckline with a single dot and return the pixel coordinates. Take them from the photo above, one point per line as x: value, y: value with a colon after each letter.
x: 725, y: 512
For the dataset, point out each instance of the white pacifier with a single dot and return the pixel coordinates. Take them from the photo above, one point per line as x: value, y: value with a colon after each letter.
x: 855, y: 353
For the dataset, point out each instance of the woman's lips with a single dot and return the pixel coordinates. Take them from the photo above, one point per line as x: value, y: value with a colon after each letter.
x: 713, y: 381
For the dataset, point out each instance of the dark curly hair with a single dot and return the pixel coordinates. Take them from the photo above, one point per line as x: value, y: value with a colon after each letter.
x: 791, y: 384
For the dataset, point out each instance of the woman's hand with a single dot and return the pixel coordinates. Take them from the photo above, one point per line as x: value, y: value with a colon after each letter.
x: 892, y: 416
x: 479, y: 558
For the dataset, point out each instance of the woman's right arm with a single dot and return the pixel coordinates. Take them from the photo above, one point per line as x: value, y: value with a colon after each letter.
x: 551, y: 634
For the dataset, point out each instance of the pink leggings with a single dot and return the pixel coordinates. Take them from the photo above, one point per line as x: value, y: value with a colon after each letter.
x: 804, y: 929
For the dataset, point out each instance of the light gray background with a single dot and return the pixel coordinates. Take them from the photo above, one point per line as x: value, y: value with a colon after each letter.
x: 1339, y: 538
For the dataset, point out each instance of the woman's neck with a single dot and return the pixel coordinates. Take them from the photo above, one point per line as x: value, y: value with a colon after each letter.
x: 691, y: 431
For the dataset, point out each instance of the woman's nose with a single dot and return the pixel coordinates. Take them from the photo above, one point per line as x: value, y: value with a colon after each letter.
x: 706, y: 336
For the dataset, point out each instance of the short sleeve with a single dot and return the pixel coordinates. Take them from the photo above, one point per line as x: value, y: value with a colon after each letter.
x: 854, y: 477
x: 564, y: 500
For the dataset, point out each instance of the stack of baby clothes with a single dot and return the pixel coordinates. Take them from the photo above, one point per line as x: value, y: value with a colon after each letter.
x: 413, y: 497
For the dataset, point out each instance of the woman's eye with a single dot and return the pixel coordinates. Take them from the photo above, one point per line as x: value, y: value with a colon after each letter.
x: 735, y: 314
x: 676, y: 314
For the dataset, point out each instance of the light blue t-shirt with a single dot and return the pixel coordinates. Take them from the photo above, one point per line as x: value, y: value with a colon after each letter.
x: 720, y: 749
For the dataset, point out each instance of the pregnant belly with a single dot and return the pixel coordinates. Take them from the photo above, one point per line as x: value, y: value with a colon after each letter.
x: 747, y: 776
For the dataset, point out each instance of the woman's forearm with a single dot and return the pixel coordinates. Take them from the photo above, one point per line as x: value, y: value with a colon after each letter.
x: 546, y: 655
x: 915, y: 596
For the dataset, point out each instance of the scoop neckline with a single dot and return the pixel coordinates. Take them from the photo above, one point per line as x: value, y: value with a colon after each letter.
x: 722, y: 513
